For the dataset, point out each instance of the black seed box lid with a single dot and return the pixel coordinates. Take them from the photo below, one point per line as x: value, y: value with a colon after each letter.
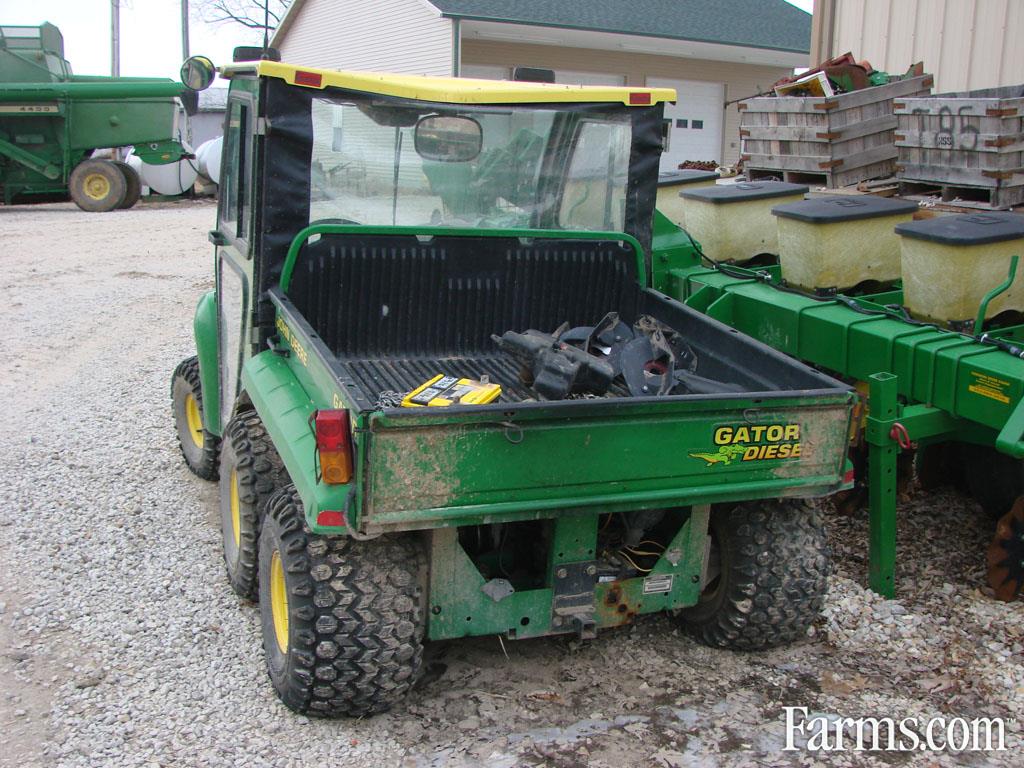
x: 745, y: 190
x: 827, y: 210
x: 966, y: 229
x: 687, y: 176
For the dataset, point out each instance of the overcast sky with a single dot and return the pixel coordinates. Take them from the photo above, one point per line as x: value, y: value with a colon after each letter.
x: 150, y: 33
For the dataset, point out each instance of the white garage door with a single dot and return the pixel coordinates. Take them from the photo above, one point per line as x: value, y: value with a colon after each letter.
x: 566, y: 76
x: 571, y: 77
x: 484, y: 72
x: 694, y: 123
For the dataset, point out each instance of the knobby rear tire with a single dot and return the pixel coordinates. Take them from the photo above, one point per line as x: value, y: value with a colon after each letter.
x: 774, y: 567
x: 355, y: 615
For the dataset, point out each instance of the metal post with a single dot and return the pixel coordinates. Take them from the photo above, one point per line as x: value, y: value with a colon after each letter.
x: 115, y: 38
x: 882, y: 455
x: 115, y: 53
x: 184, y: 30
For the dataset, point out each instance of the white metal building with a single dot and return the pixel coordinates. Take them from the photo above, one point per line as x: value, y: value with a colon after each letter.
x: 710, y: 51
x: 966, y: 44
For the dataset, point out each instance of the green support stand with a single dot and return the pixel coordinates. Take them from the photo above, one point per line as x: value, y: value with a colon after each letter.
x: 882, y: 456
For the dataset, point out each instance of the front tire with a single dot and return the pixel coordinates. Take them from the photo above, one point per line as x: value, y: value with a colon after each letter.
x: 994, y: 480
x: 771, y: 576
x: 343, y: 620
x: 250, y: 472
x: 97, y: 186
x: 198, y: 447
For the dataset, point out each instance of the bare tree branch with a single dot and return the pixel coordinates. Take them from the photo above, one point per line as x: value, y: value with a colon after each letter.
x: 247, y: 13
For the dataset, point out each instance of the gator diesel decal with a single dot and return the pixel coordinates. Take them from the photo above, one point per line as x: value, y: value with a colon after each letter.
x: 296, y: 345
x: 726, y: 455
x: 753, y: 443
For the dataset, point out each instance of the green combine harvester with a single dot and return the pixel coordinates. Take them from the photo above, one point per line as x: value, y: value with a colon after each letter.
x: 51, y: 121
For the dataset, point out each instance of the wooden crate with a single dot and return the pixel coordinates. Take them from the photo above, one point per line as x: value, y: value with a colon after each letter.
x: 966, y: 146
x: 830, y: 141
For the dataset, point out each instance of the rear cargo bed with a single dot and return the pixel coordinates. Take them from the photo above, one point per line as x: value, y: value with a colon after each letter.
x: 377, y: 376
x: 394, y: 312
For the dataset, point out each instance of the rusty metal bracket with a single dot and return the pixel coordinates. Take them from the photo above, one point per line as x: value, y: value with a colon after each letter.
x: 573, y: 604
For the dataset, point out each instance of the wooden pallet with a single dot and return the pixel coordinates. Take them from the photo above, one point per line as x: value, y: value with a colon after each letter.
x: 966, y: 147
x: 826, y: 180
x: 963, y: 196
x: 829, y: 141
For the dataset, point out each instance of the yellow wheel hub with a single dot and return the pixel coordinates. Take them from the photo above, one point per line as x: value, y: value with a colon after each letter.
x: 96, y: 186
x: 194, y: 419
x: 279, y: 601
x: 236, y: 525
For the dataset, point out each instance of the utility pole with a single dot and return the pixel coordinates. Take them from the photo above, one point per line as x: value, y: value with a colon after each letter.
x: 115, y: 38
x: 184, y: 29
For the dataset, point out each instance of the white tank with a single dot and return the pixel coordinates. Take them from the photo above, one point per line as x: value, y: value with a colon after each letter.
x: 169, y: 179
x: 208, y: 158
x: 133, y: 160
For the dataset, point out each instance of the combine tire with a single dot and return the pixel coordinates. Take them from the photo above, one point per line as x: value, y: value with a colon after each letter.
x: 343, y: 620
x: 97, y: 186
x: 941, y: 464
x: 250, y: 472
x: 198, y: 446
x: 133, y: 185
x: 994, y: 480
x: 766, y: 579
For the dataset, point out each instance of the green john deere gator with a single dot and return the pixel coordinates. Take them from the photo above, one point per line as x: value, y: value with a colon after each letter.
x: 443, y: 400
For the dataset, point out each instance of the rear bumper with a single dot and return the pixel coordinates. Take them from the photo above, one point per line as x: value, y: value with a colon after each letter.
x: 431, y: 470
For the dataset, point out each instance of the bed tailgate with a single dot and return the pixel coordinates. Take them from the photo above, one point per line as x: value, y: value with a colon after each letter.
x: 436, y: 466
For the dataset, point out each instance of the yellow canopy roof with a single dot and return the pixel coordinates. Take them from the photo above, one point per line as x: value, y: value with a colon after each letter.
x: 451, y: 90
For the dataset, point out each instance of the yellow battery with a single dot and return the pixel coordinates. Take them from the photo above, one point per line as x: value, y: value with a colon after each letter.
x: 451, y: 390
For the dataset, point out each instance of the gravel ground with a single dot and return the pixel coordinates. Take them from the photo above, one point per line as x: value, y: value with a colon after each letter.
x: 121, y: 643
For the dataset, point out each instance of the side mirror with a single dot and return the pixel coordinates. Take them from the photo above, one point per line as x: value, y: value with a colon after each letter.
x: 448, y: 139
x: 197, y: 73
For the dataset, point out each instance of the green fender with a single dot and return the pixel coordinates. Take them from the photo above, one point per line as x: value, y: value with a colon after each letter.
x: 285, y: 409
x: 205, y: 325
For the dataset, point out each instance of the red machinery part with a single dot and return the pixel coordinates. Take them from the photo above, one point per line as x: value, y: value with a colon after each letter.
x: 1006, y: 554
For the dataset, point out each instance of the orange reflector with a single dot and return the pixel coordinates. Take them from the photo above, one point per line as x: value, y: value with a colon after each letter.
x: 331, y: 518
x: 308, y: 78
x: 639, y: 98
x: 334, y: 446
x: 335, y: 467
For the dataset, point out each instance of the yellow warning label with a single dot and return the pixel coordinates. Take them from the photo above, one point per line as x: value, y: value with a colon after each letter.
x: 990, y: 387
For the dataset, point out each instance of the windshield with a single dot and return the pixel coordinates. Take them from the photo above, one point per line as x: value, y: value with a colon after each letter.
x: 537, y: 167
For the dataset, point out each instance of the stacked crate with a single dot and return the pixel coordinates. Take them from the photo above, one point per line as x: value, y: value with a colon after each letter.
x: 829, y: 141
x: 966, y: 147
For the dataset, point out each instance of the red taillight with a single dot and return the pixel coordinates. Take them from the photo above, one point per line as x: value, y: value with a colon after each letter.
x: 331, y: 518
x: 639, y: 97
x: 850, y: 476
x: 308, y: 78
x: 334, y: 445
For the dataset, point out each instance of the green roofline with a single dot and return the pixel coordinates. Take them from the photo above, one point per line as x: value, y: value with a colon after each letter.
x: 580, y: 28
